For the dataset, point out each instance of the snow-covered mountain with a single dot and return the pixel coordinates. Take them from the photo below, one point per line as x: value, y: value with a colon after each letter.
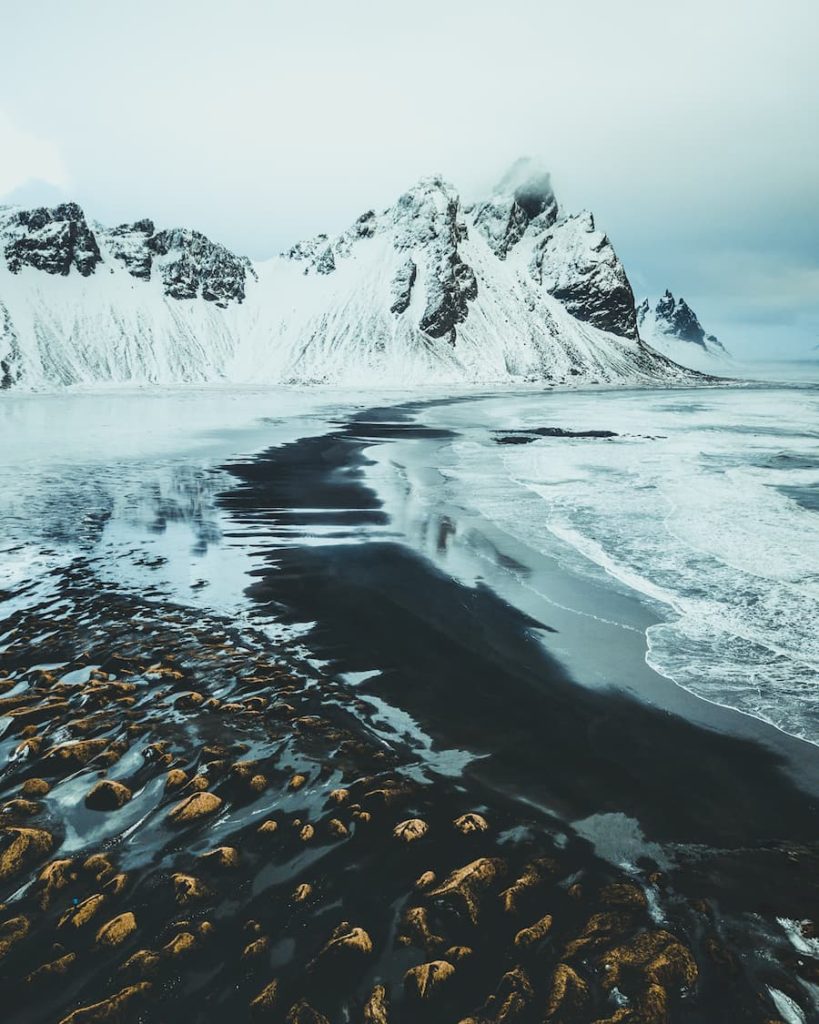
x: 428, y: 290
x: 673, y: 328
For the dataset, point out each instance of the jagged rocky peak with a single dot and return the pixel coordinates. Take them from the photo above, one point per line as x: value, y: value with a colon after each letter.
x: 319, y: 253
x: 577, y: 264
x: 522, y: 198
x: 674, y: 318
x: 429, y: 226
x: 189, y: 264
x: 58, y: 240
x: 428, y: 211
x: 426, y: 226
x: 54, y: 240
x: 678, y: 318
x: 567, y: 255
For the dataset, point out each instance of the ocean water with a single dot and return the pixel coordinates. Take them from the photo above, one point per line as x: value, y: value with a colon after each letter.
x: 705, y: 504
x: 127, y: 480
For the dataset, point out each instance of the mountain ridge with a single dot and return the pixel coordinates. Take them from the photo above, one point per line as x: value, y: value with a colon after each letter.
x: 510, y: 288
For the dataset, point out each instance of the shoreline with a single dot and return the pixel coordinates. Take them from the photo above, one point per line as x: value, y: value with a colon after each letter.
x: 579, y: 593
x: 349, y: 502
x: 579, y: 788
x: 123, y: 910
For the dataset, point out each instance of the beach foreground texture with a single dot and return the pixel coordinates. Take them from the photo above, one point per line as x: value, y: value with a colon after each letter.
x: 475, y: 708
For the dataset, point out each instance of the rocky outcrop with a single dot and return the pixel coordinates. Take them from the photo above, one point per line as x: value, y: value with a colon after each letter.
x: 129, y: 244
x: 679, y: 319
x: 365, y: 227
x: 59, y: 241
x: 577, y: 264
x: 675, y: 318
x: 316, y: 254
x: 523, y: 197
x: 427, y: 227
x: 672, y: 320
x: 427, y: 220
x: 402, y: 282
x: 643, y: 311
x: 10, y: 348
x: 53, y: 240
x: 191, y: 265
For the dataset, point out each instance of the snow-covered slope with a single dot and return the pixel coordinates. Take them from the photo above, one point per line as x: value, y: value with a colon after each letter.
x: 425, y: 291
x: 673, y: 328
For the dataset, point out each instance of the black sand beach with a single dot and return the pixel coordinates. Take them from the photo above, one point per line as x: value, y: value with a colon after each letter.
x: 596, y: 857
x: 472, y: 671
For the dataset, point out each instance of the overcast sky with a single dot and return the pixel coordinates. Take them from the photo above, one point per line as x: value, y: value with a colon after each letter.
x: 691, y: 129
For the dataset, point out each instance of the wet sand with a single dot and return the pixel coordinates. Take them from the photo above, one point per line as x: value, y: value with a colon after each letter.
x: 477, y: 673
x: 435, y: 704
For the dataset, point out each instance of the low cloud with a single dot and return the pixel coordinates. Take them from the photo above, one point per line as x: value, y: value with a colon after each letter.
x: 27, y: 157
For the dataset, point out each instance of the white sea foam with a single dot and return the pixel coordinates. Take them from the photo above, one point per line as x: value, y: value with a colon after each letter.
x: 695, y: 507
x: 790, y: 1010
x: 800, y: 942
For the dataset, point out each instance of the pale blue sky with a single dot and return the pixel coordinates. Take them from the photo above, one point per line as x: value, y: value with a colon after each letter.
x: 690, y: 129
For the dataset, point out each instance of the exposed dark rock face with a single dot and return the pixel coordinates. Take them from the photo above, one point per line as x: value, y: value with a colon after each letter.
x: 523, y: 197
x: 365, y: 227
x: 129, y: 244
x: 402, y: 286
x: 316, y: 253
x: 502, y: 223
x: 53, y: 240
x: 9, y: 351
x: 679, y: 319
x: 428, y: 219
x: 449, y: 290
x: 58, y: 240
x: 325, y: 262
x: 190, y: 265
x: 675, y: 318
x: 533, y: 193
x: 578, y: 266
x: 527, y: 436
